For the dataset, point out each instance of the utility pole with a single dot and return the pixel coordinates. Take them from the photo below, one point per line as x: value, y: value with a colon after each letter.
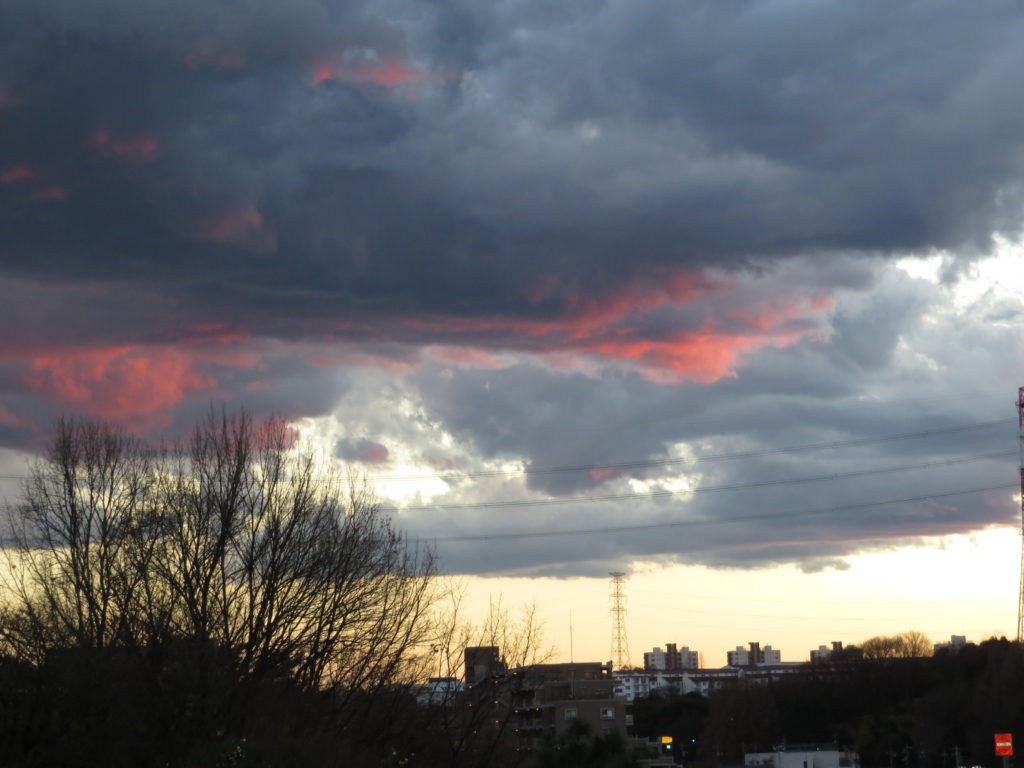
x: 1020, y: 441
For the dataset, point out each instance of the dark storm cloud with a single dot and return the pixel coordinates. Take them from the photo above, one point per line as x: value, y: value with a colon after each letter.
x: 811, y: 507
x: 675, y: 220
x: 517, y: 141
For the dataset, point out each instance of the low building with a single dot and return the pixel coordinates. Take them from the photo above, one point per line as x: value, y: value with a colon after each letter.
x: 438, y: 690
x: 547, y: 698
x: 631, y: 685
x: 803, y: 756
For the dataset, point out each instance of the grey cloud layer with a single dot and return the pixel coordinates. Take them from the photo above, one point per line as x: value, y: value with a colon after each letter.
x: 477, y: 173
x: 593, y: 142
x: 815, y: 392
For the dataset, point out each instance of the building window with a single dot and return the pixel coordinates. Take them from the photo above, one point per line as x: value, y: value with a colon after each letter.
x: 607, y: 713
x: 571, y: 713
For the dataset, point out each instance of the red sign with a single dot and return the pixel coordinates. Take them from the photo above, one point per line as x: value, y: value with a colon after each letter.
x: 1004, y: 744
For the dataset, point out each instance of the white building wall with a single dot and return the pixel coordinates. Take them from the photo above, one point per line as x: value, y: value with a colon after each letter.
x: 632, y: 685
x: 829, y: 758
x: 655, y: 659
x: 658, y: 658
x: 740, y: 657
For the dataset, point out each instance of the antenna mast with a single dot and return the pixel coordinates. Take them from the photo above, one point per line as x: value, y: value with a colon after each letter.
x: 1020, y: 440
x: 620, y: 647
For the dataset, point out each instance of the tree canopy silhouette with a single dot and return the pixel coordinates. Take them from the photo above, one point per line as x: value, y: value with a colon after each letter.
x: 208, y: 571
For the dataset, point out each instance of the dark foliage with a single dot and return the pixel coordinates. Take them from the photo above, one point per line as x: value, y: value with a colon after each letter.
x: 580, y: 747
x: 935, y: 712
x: 681, y: 717
x: 218, y: 603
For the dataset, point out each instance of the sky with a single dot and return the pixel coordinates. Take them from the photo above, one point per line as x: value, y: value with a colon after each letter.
x: 722, y: 294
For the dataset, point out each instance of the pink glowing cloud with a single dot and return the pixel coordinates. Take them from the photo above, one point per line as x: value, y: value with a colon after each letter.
x: 8, y: 419
x: 616, y: 326
x: 440, y: 463
x: 136, y: 384
x: 677, y: 327
x: 37, y: 188
x: 709, y: 353
x: 52, y: 192
x: 118, y: 383
x: 389, y: 71
x: 15, y: 174
x: 138, y: 149
x: 243, y: 227
x: 703, y: 355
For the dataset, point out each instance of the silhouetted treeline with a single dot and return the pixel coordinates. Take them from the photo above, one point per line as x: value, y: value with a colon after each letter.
x: 180, y: 705
x: 934, y: 712
x: 217, y: 602
x: 226, y: 601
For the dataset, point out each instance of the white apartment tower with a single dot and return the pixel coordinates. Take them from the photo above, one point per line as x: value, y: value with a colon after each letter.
x: 754, y: 656
x: 671, y: 658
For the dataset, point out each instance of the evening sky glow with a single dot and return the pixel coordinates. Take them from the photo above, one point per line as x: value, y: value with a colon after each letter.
x: 724, y: 295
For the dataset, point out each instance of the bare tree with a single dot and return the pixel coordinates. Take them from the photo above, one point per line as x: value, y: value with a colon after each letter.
x: 906, y: 645
x: 74, y: 573
x: 472, y: 720
x: 235, y: 543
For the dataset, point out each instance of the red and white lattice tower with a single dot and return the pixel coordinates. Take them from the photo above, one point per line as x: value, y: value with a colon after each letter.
x: 620, y: 647
x: 1020, y: 440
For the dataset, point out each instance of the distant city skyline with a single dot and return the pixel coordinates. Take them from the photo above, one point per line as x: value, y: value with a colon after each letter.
x: 941, y: 592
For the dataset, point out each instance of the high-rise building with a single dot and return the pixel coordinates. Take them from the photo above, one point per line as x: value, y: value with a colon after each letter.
x: 671, y: 658
x: 824, y: 652
x: 754, y: 656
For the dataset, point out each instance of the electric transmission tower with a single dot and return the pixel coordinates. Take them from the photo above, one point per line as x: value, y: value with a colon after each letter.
x: 620, y: 646
x: 1020, y: 440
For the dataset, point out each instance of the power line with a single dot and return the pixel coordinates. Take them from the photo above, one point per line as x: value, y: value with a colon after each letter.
x: 502, y: 503
x: 790, y: 631
x: 640, y: 612
x: 700, y: 459
x: 728, y: 521
x: 643, y: 611
x: 641, y: 464
x: 577, y: 599
x: 826, y: 602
